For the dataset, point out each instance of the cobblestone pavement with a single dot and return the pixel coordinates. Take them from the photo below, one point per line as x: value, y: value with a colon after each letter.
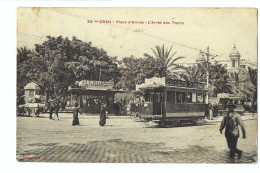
x: 125, y: 140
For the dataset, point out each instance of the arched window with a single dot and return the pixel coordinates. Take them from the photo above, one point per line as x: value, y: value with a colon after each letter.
x: 233, y: 63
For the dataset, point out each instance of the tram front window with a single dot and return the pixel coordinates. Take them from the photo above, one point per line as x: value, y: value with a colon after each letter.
x: 189, y: 97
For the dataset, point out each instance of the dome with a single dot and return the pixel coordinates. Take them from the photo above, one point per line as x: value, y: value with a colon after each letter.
x: 234, y: 52
x: 31, y: 86
x: 200, y: 58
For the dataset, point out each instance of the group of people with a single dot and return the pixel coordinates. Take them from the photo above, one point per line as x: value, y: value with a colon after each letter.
x: 54, y: 107
x: 103, y: 114
x: 230, y: 123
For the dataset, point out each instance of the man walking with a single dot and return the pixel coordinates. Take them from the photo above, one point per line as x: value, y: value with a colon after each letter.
x: 230, y: 122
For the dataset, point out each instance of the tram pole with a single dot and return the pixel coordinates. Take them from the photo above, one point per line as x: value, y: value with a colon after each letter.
x: 207, y: 74
x: 207, y: 77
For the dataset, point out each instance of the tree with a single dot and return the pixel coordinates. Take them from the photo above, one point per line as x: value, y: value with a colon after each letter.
x: 244, y: 84
x: 59, y: 62
x: 253, y: 79
x: 218, y: 77
x: 195, y: 73
x: 166, y: 63
x: 29, y: 68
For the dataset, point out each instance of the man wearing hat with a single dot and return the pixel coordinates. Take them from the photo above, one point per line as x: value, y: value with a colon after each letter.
x: 231, y: 120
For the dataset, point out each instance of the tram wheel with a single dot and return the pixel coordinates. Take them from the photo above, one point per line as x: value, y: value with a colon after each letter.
x: 170, y: 123
x: 161, y: 123
x: 194, y: 123
x: 175, y: 123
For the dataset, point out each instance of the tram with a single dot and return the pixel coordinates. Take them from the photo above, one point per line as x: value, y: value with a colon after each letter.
x: 170, y: 102
x: 225, y: 98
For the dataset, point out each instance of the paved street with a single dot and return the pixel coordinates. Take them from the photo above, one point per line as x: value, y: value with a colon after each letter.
x: 126, y: 140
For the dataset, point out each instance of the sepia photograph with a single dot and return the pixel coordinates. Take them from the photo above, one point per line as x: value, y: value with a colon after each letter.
x: 136, y: 85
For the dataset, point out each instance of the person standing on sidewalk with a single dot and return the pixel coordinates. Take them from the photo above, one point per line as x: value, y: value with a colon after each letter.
x: 103, y: 114
x: 76, y: 115
x: 56, y: 110
x: 230, y: 121
x: 51, y: 108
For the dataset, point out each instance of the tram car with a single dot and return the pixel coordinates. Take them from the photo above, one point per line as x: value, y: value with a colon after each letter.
x: 225, y: 98
x: 171, y: 102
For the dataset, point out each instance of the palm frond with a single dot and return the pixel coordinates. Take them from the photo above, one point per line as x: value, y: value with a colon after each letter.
x: 159, y: 51
x: 173, y: 61
x: 170, y: 58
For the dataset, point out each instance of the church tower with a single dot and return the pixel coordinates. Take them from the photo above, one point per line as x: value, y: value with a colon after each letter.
x: 234, y: 59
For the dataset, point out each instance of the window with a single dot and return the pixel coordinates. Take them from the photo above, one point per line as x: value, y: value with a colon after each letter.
x: 178, y: 97
x: 171, y: 96
x: 31, y: 93
x: 233, y: 63
x: 189, y: 97
x: 194, y: 98
x: 200, y: 98
x: 184, y: 97
x: 159, y: 97
x: 147, y: 97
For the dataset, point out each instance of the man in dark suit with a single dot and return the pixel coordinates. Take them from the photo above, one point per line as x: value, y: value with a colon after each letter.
x: 231, y: 120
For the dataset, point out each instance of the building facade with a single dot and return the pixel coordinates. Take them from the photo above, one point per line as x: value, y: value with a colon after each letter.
x: 232, y: 63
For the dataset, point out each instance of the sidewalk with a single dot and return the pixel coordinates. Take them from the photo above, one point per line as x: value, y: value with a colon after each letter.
x: 246, y: 116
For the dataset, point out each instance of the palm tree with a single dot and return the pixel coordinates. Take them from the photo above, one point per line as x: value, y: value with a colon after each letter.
x: 244, y: 84
x: 253, y: 79
x: 166, y: 63
x: 194, y: 73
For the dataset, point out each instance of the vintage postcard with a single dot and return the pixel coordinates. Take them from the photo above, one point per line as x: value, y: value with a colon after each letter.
x: 137, y: 85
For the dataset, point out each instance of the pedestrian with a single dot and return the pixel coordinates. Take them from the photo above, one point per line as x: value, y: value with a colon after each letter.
x: 103, y: 113
x: 56, y: 110
x: 51, y: 108
x: 75, y: 115
x: 230, y: 122
x: 37, y: 111
x: 116, y: 108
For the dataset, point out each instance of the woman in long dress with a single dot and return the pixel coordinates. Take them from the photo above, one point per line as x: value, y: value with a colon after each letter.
x: 103, y: 111
x: 75, y: 115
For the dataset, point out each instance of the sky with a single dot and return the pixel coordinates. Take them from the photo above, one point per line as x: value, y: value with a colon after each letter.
x: 218, y: 28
